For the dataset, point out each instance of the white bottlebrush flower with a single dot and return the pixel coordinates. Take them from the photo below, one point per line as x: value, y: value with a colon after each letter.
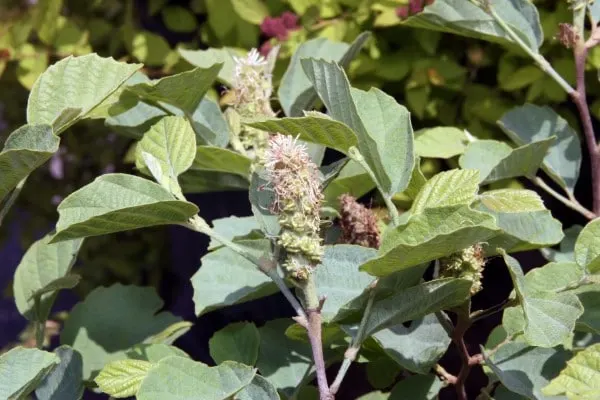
x: 296, y: 182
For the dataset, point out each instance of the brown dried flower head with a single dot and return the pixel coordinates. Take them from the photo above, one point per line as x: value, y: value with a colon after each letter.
x: 359, y: 224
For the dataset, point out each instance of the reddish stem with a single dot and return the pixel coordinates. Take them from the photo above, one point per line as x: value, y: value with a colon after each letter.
x: 463, y: 323
x: 579, y: 98
x: 313, y: 329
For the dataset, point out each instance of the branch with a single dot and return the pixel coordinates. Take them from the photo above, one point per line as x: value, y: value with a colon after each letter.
x: 462, y: 325
x: 313, y: 329
x: 580, y: 52
x: 352, y: 351
x: 570, y: 202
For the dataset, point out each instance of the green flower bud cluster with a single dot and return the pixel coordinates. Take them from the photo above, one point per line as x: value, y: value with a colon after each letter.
x: 295, y: 181
x: 466, y: 264
x: 252, y: 100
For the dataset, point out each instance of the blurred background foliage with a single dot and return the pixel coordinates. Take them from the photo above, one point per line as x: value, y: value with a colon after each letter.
x: 444, y: 80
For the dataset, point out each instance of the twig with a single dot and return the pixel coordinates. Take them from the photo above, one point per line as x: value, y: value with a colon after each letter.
x: 352, y: 351
x: 445, y: 375
x: 537, y: 57
x: 479, y: 314
x: 570, y: 202
x: 11, y: 199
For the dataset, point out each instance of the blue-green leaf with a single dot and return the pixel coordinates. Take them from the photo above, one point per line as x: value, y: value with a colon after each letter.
x: 112, y: 320
x: 530, y: 123
x: 22, y: 370
x: 496, y: 160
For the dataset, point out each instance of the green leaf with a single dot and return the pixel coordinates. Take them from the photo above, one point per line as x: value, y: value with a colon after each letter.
x: 511, y: 200
x: 22, y: 370
x: 388, y: 144
x: 382, y: 126
x: 566, y: 252
x: 226, y: 278
x: 170, y: 143
x: 174, y: 89
x: 283, y: 361
x: 80, y: 83
x: 554, y: 276
x: 448, y: 188
x: 525, y: 222
x: 587, y: 248
x: 314, y: 128
x: 232, y: 227
x: 207, y: 58
x: 496, y: 160
x: 122, y: 378
x: 236, y: 342
x: 416, y: 302
x: 196, y: 181
x: 387, y: 286
x: 530, y: 123
x: 580, y: 379
x: 25, y: 149
x: 440, y: 142
x: 253, y: 11
x: 209, y: 158
x: 417, y: 347
x: 178, y: 378
x: 526, y: 370
x: 424, y: 387
x: 339, y: 277
x: 179, y: 19
x: 118, y: 202
x: 296, y: 93
x: 64, y: 381
x: 417, y: 180
x: 590, y: 298
x: 131, y: 116
x: 210, y: 125
x: 110, y: 321
x: 467, y: 19
x: 41, y: 266
x: 259, y: 388
x: 549, y: 317
x: 435, y: 233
